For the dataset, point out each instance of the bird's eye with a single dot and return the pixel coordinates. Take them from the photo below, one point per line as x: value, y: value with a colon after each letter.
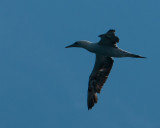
x: 76, y: 43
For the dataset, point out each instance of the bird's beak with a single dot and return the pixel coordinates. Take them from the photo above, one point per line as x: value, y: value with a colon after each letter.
x: 70, y: 46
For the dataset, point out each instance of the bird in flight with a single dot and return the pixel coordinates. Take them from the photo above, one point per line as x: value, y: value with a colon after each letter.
x: 105, y: 50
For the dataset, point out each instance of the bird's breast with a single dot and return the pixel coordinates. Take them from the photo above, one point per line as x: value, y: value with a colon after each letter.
x: 108, y: 51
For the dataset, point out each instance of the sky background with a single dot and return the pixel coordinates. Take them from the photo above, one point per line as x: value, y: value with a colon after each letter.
x: 44, y: 85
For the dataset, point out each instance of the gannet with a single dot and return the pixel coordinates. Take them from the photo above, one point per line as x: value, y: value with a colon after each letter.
x: 105, y: 50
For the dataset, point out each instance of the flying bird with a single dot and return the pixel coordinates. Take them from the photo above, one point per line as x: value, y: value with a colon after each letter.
x: 105, y: 50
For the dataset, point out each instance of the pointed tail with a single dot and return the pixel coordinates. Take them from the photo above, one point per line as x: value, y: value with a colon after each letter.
x: 127, y: 54
x: 135, y: 56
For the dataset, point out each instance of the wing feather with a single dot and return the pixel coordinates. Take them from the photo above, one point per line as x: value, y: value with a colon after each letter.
x: 109, y: 38
x: 98, y: 77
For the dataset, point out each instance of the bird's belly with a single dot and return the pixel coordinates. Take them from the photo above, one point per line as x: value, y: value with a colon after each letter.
x: 109, y: 51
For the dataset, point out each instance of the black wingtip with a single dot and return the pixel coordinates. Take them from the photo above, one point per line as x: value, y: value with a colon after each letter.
x: 92, y: 99
x: 89, y: 108
x: 111, y: 30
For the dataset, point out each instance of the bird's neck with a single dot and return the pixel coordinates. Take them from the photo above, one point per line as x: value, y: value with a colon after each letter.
x: 89, y: 46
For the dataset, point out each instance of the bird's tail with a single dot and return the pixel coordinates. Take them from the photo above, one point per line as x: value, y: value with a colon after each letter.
x: 134, y: 55
x: 92, y: 98
x: 127, y: 54
x: 121, y: 53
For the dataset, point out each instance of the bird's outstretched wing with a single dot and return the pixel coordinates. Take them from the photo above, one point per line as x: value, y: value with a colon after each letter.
x: 108, y: 39
x: 98, y: 77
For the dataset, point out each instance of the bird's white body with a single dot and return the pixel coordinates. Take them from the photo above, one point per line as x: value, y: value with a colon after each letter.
x: 107, y: 51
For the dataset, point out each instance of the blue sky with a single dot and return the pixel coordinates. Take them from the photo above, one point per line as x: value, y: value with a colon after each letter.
x: 44, y: 85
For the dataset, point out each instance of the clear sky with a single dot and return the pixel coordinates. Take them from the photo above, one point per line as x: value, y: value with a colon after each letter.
x: 44, y: 85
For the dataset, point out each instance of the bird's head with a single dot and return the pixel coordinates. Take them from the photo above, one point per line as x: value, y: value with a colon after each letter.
x: 81, y: 44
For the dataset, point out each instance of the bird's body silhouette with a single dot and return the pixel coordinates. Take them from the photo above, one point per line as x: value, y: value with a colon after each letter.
x: 105, y: 50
